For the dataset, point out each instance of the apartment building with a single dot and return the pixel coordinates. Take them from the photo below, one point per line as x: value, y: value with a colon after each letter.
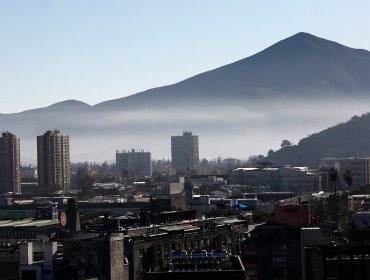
x: 53, y: 161
x: 136, y: 161
x: 185, y: 152
x: 10, y: 178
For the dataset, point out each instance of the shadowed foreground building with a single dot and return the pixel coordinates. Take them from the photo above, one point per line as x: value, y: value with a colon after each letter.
x: 10, y: 180
x: 274, y: 250
x: 200, y: 268
x: 338, y: 262
x: 53, y: 162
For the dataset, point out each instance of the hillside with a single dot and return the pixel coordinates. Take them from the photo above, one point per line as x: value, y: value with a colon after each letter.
x: 347, y: 139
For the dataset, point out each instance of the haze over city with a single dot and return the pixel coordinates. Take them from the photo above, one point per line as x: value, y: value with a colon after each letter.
x: 151, y: 140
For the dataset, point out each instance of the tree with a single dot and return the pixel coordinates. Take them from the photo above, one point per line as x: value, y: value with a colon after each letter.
x: 204, y: 189
x: 82, y: 171
x: 330, y: 208
x: 270, y: 152
x: 334, y: 174
x: 265, y: 164
x: 285, y: 143
x: 86, y: 185
x: 348, y: 178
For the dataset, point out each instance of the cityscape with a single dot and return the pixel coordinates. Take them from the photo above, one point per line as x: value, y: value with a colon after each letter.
x: 154, y: 140
x: 159, y: 219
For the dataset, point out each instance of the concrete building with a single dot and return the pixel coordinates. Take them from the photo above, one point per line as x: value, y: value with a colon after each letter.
x: 360, y: 168
x: 185, y: 152
x: 300, y: 179
x: 87, y: 258
x: 10, y: 180
x: 138, y: 161
x: 28, y: 172
x: 253, y: 176
x: 284, y: 178
x: 149, y: 249
x: 274, y: 250
x: 200, y: 265
x: 338, y: 262
x: 33, y: 266
x: 53, y: 162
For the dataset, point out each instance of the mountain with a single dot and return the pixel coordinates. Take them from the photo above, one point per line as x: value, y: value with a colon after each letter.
x: 349, y: 139
x: 300, y: 66
x: 295, y: 87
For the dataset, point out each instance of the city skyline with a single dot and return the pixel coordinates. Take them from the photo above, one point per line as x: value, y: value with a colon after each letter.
x: 58, y: 51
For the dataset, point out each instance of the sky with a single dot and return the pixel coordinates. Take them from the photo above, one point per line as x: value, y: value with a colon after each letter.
x: 95, y: 51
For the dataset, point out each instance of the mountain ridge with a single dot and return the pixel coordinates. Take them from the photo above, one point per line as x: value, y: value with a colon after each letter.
x: 348, y: 139
x: 301, y: 49
x: 290, y: 89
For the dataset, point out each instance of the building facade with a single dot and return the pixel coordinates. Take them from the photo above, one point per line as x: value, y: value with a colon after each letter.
x: 28, y: 173
x: 53, y: 161
x: 10, y: 179
x: 282, y: 179
x: 139, y: 162
x: 360, y: 168
x: 185, y: 152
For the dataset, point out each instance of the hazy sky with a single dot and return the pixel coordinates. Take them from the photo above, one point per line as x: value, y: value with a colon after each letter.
x: 98, y: 50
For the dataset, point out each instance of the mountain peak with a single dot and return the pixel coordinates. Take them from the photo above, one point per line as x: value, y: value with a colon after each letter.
x: 304, y: 42
x: 69, y: 103
x: 66, y: 105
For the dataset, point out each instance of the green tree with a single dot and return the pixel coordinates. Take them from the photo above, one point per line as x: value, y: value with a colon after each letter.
x: 348, y: 178
x: 334, y: 174
x: 204, y: 189
x: 285, y: 143
x: 330, y: 209
x: 86, y: 185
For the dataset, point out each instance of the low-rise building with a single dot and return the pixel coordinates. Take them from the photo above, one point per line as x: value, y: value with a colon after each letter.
x: 283, y: 179
x: 135, y: 161
x: 200, y: 265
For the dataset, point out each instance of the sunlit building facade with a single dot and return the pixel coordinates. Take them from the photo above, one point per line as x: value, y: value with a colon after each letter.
x: 53, y: 162
x: 10, y: 178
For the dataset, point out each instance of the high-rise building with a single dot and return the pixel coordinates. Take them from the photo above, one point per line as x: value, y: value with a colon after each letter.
x: 10, y: 178
x: 53, y: 161
x: 185, y: 152
x: 139, y: 162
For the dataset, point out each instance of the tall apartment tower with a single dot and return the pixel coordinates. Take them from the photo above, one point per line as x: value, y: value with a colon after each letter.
x: 137, y: 161
x: 53, y: 162
x: 10, y: 177
x: 185, y: 152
